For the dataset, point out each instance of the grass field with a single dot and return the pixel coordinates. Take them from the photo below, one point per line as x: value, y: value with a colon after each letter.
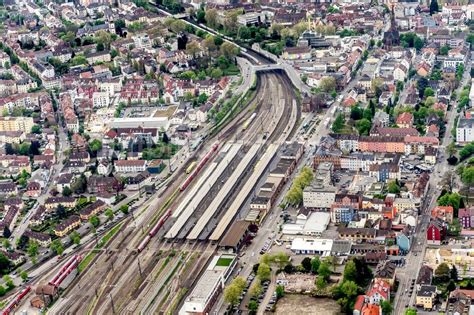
x: 224, y: 262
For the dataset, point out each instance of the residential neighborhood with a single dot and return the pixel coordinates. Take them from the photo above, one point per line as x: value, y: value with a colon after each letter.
x: 234, y: 157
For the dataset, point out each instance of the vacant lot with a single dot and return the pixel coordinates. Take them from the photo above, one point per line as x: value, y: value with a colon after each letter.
x: 304, y: 304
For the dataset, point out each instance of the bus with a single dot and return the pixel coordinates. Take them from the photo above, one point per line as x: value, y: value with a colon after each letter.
x: 190, y: 168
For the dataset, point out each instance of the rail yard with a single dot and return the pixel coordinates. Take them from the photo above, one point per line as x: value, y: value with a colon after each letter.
x: 159, y: 254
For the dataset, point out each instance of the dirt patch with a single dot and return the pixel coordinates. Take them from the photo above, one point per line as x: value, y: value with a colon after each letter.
x: 303, y: 304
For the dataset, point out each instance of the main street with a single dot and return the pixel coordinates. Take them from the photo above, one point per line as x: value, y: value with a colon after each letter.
x: 414, y: 259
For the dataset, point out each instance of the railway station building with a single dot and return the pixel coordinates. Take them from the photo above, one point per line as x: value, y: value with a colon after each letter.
x: 209, y: 286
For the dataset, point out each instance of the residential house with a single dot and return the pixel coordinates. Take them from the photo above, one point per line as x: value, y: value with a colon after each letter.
x: 130, y: 166
x: 425, y: 276
x: 460, y: 301
x: 444, y: 213
x: 33, y: 189
x: 92, y: 210
x: 43, y: 239
x: 405, y: 120
x: 65, y: 180
x: 8, y: 188
x: 99, y: 184
x: 379, y: 291
x: 67, y: 225
x: 426, y: 297
x: 466, y: 217
x: 465, y: 131
x: 436, y: 232
x: 385, y: 271
x: 53, y: 202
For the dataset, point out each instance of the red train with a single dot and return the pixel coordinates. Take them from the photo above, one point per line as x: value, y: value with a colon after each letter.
x: 16, y: 301
x: 63, y: 269
x: 198, y: 168
x: 154, y: 230
x: 73, y: 266
x: 188, y: 180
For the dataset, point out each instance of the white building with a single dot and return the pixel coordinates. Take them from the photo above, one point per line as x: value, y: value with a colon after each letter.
x: 320, y: 247
x: 471, y: 92
x: 209, y: 286
x: 465, y: 130
x: 318, y: 195
x: 130, y: 166
x: 313, y: 224
x: 100, y: 99
x: 144, y: 122
x: 142, y: 40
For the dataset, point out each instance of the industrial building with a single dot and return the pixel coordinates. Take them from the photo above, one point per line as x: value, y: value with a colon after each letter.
x: 208, y: 287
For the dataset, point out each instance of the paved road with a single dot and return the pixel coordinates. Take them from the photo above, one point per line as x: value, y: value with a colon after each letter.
x: 51, y: 184
x: 415, y: 257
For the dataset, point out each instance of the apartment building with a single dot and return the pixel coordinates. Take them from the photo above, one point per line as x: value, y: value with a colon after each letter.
x: 16, y: 124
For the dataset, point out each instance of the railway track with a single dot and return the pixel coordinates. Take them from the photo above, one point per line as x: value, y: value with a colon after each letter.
x: 124, y: 275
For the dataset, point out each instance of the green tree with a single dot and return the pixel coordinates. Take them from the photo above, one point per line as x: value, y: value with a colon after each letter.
x: 232, y: 294
x: 229, y: 50
x: 256, y: 289
x: 442, y: 273
x: 124, y: 209
x: 306, y: 263
x: 211, y: 18
x: 264, y: 272
x: 201, y: 16
x: 444, y: 50
x: 240, y: 283
x: 356, y: 112
x: 57, y: 247
x: 393, y: 187
x: 450, y: 199
x: 95, y: 145
x: 6, y: 244
x: 350, y: 271
x: 321, y: 282
x: 8, y: 281
x: 467, y: 176
x: 75, y: 237
x: 280, y: 291
x: 5, y: 263
x: 327, y: 84
x: 32, y: 249
x: 281, y: 259
x: 418, y: 43
x: 24, y: 276
x: 338, y: 123
x: 454, y: 273
x: 363, y: 126
x: 386, y: 307
x: 428, y: 92
x: 324, y: 270
x: 434, y: 7
x: 95, y: 221
x: 193, y: 48
x: 244, y: 33
x: 253, y: 306
x: 315, y: 262
x: 109, y: 213
x: 67, y: 191
x: 36, y: 129
x: 349, y: 288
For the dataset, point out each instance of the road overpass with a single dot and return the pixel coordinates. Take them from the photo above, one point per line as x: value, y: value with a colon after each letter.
x: 278, y: 63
